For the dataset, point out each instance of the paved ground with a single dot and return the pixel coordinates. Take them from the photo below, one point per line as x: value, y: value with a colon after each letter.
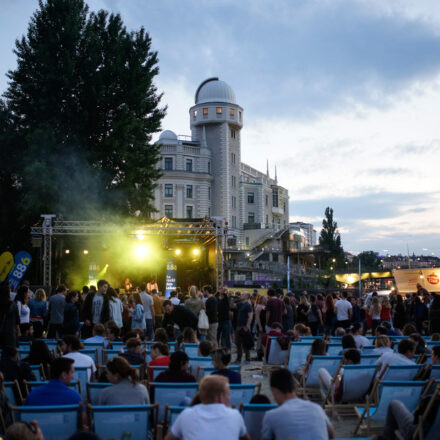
x: 253, y: 373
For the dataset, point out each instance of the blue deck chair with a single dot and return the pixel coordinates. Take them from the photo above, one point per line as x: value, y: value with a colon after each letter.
x: 276, y: 355
x: 191, y: 349
x: 368, y: 349
x: 171, y: 414
x: 173, y: 394
x: 357, y: 381
x: 253, y: 418
x: 24, y: 352
x: 297, y: 355
x: 171, y: 344
x: 116, y: 345
x: 330, y: 363
x: 91, y: 352
x: 156, y: 371
x: 333, y: 349
x: 400, y: 372
x: 435, y: 372
x: 209, y: 370
x: 57, y: 422
x: 13, y: 393
x: 109, y: 354
x: 98, y: 346
x: 405, y: 391
x: 113, y: 421
x: 94, y: 390
x: 369, y: 359
x: 36, y: 369
x: 52, y: 344
x: 242, y: 393
x: 199, y: 362
x: 82, y: 375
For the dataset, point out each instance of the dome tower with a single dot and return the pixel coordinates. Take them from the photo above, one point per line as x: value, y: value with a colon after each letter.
x: 216, y: 121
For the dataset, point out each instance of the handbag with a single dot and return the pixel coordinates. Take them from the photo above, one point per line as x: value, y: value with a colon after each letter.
x: 203, y: 323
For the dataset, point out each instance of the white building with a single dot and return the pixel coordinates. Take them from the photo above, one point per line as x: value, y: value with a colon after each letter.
x: 309, y: 232
x: 203, y: 175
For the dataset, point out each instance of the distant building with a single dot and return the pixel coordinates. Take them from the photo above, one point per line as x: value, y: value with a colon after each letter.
x: 203, y: 175
x: 308, y: 230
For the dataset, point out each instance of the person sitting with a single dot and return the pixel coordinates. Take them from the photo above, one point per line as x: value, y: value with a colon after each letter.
x: 39, y: 354
x: 435, y: 337
x: 348, y: 342
x: 24, y: 431
x: 351, y: 357
x: 189, y: 336
x: 361, y: 341
x: 131, y: 334
x: 435, y: 359
x: 177, y: 369
x: 70, y: 346
x: 420, y: 342
x: 383, y: 345
x: 134, y: 354
x: 295, y: 418
x: 390, y: 331
x: 27, y: 332
x: 339, y: 332
x: 406, y: 351
x: 204, y: 349
x: 300, y: 330
x: 98, y: 335
x: 211, y: 419
x: 112, y: 333
x: 318, y: 348
x: 160, y: 354
x: 13, y: 368
x: 260, y: 399
x: 276, y: 330
x: 160, y: 335
x: 221, y: 359
x: 125, y: 389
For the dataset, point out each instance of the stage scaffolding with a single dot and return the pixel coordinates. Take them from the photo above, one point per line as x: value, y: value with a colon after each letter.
x: 205, y: 231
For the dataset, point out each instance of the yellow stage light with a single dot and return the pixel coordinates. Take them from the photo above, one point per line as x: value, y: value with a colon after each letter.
x: 178, y: 251
x: 85, y: 251
x: 141, y: 251
x: 140, y: 234
x: 67, y: 251
x: 196, y: 252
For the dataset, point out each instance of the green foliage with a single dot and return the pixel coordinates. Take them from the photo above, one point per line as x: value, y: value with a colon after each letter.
x: 370, y: 261
x: 330, y: 240
x: 78, y: 116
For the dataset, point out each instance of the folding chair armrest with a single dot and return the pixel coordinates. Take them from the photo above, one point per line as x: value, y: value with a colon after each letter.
x: 258, y: 388
x: 159, y: 431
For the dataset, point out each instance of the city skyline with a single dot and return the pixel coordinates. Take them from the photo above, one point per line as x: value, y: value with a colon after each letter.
x: 341, y: 96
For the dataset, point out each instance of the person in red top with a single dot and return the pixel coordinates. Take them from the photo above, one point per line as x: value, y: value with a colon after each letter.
x: 385, y: 313
x: 275, y: 308
x: 160, y: 354
x: 276, y: 330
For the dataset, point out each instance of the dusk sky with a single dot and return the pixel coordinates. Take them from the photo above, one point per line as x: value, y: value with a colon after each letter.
x: 343, y: 96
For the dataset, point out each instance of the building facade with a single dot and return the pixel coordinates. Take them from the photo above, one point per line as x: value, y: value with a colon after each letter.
x: 203, y: 175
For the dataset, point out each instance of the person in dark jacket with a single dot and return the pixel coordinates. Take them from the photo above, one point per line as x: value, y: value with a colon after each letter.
x: 179, y: 315
x: 14, y: 369
x: 134, y: 354
x: 9, y: 318
x: 177, y: 369
x: 71, y: 314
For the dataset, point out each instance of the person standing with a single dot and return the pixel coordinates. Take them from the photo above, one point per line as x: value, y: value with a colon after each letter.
x: 93, y: 305
x: 22, y: 299
x: 71, y: 314
x: 138, y: 313
x: 343, y: 311
x: 9, y: 318
x: 224, y: 319
x: 374, y: 312
x: 243, y: 332
x: 148, y: 303
x: 158, y: 309
x: 399, y: 317
x: 211, y: 305
x: 113, y: 308
x: 274, y: 309
x: 56, y: 312
x: 38, y: 308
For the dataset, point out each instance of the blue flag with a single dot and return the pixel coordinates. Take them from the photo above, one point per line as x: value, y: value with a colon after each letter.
x: 171, y: 277
x: 22, y: 261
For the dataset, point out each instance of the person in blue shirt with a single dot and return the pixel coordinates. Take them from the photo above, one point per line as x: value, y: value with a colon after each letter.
x: 220, y: 359
x: 57, y: 391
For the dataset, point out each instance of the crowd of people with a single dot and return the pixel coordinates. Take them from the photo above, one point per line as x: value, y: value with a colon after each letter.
x: 222, y: 324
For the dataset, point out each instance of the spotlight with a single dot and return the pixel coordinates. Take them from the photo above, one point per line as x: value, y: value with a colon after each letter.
x: 140, y: 234
x: 178, y: 251
x: 141, y: 251
x: 67, y: 251
x: 196, y: 252
x: 85, y: 251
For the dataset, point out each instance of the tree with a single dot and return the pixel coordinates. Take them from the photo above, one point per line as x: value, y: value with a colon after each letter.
x: 78, y: 116
x: 330, y: 240
x: 370, y: 261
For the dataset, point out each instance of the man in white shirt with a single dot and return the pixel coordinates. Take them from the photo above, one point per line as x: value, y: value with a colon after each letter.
x: 70, y: 346
x: 173, y: 298
x: 361, y: 341
x: 294, y: 418
x: 343, y: 311
x: 148, y: 303
x: 212, y: 419
x: 406, y: 351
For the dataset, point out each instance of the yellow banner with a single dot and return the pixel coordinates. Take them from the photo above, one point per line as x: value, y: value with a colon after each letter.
x: 352, y: 278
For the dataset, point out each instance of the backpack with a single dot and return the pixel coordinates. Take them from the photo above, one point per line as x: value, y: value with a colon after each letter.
x: 138, y: 313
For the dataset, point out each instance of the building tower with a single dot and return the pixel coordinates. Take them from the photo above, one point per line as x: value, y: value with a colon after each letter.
x: 216, y: 121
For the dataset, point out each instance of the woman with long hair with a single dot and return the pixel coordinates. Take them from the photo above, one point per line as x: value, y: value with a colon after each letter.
x: 302, y: 310
x: 112, y: 308
x: 137, y: 314
x: 22, y: 299
x: 385, y: 312
x: 38, y: 309
x: 125, y: 389
x: 40, y: 354
x: 374, y: 312
x: 382, y: 344
x: 189, y: 336
x: 329, y: 315
x: 71, y: 324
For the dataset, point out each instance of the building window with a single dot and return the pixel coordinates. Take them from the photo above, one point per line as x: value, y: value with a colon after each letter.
x: 168, y: 190
x: 189, y: 212
x: 209, y: 212
x: 209, y: 193
x: 251, y: 197
x: 233, y: 181
x: 189, y: 165
x: 234, y: 221
x: 168, y: 163
x: 219, y: 110
x: 239, y: 115
x: 231, y: 112
x: 267, y: 220
x: 267, y: 200
x: 205, y: 111
x: 233, y: 158
x: 275, y: 198
x: 189, y: 191
x: 232, y: 133
x: 284, y: 207
x: 195, y: 114
x: 234, y: 202
x: 169, y: 211
x: 209, y: 167
x: 247, y: 241
x: 251, y: 217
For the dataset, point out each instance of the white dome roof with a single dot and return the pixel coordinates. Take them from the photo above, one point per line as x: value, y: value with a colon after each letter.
x: 214, y: 90
x: 168, y: 135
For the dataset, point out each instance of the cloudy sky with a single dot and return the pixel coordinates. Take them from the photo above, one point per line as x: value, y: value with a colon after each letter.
x: 343, y: 96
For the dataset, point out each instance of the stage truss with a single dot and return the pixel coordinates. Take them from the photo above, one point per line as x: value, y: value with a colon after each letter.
x: 203, y: 230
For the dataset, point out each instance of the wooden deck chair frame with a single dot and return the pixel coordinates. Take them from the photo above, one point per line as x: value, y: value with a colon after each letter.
x: 17, y: 392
